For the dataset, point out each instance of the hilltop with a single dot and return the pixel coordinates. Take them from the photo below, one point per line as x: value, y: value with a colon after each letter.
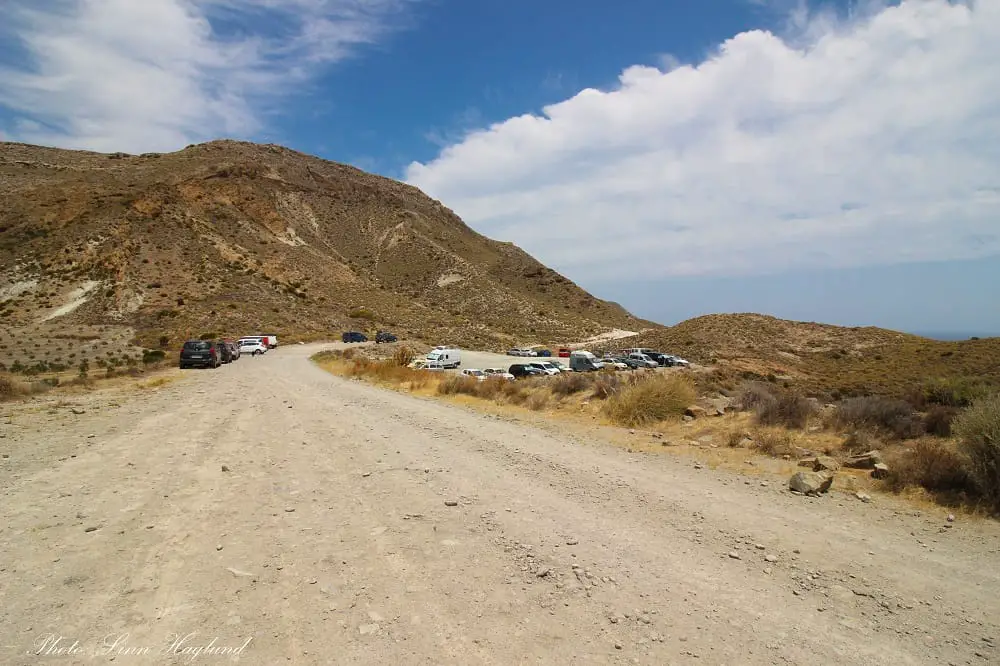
x: 231, y: 237
x: 823, y: 357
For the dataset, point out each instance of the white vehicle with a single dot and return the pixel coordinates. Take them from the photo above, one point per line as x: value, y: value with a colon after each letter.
x: 638, y: 350
x: 252, y: 346
x: 448, y: 358
x: 500, y: 373
x: 644, y: 360
x: 522, y: 351
x: 612, y: 363
x: 476, y: 374
x: 584, y: 361
x: 545, y: 367
x: 678, y: 361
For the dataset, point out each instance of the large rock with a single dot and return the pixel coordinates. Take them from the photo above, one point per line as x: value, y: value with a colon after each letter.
x: 695, y: 412
x: 810, y: 483
x: 880, y: 471
x: 820, y: 464
x: 864, y: 460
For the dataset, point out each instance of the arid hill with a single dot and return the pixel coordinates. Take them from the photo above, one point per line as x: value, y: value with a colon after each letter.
x: 231, y: 238
x: 823, y: 357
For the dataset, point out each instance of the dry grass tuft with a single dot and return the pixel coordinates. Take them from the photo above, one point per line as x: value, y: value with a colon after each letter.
x: 978, y: 433
x: 774, y: 441
x: 569, y: 383
x: 935, y: 465
x: 650, y: 400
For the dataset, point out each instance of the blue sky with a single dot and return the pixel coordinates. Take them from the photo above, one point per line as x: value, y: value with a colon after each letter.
x: 832, y: 162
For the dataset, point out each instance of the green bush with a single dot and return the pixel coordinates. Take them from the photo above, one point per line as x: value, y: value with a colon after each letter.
x: 978, y: 433
x: 153, y: 356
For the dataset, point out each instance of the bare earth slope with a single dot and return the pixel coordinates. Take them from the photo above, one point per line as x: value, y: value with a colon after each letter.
x: 825, y: 357
x: 271, y: 500
x: 233, y: 237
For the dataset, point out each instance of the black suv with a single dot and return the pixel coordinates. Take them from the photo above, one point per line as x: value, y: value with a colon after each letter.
x: 384, y: 336
x: 523, y: 370
x: 200, y: 354
x: 354, y: 336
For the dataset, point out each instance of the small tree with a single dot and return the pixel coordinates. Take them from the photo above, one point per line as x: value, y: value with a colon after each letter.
x: 84, y: 369
x: 978, y: 433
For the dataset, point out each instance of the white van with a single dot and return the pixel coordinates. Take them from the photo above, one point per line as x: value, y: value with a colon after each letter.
x: 448, y: 358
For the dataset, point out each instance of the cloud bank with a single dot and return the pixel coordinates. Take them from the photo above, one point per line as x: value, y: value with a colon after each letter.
x: 861, y: 141
x: 155, y: 75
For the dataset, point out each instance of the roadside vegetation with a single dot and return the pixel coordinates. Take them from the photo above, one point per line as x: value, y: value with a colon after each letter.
x: 942, y: 442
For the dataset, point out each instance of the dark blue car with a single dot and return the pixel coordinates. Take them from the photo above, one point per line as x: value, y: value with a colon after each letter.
x: 354, y: 336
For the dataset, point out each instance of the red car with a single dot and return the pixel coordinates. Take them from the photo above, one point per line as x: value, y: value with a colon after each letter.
x: 563, y: 352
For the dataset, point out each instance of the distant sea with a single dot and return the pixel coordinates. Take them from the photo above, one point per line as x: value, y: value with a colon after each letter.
x: 959, y: 335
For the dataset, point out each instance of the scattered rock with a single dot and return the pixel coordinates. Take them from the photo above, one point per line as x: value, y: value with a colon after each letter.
x: 810, y: 483
x: 225, y: 468
x: 543, y: 572
x: 864, y: 497
x: 618, y: 646
x: 289, y: 509
x: 734, y: 555
x: 825, y: 464
x: 366, y: 474
x: 77, y: 410
x: 880, y: 471
x: 368, y: 629
x: 864, y: 460
x: 687, y: 419
x: 745, y: 443
x: 695, y: 412
x: 238, y: 573
x: 92, y: 528
x: 451, y: 502
x: 951, y: 517
x: 770, y: 558
x: 698, y: 466
x: 219, y: 547
x: 572, y: 542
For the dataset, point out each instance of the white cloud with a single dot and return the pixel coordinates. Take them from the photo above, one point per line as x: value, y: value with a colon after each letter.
x: 867, y: 140
x: 145, y: 75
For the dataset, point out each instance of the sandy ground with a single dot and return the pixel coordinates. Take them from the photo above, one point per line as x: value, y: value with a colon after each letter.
x: 271, y: 501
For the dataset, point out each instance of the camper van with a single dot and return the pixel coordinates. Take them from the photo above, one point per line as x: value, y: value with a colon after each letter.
x: 448, y: 358
x: 584, y: 361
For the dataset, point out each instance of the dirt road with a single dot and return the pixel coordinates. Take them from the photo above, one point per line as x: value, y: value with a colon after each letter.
x: 269, y: 501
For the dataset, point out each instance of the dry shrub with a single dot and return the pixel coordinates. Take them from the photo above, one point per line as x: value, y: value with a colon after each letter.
x: 11, y: 387
x: 569, y: 383
x: 606, y: 386
x: 775, y: 442
x: 513, y: 392
x: 859, y: 441
x: 886, y: 415
x: 978, y: 433
x: 458, y: 384
x: 403, y: 356
x: 736, y: 438
x: 789, y: 408
x: 348, y: 354
x: 935, y: 466
x: 753, y: 395
x: 537, y: 401
x: 650, y: 400
x: 938, y: 419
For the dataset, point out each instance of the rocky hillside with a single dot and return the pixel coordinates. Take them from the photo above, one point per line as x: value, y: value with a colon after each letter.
x: 232, y: 237
x: 823, y: 357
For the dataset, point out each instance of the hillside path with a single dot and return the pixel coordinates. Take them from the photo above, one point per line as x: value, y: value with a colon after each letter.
x: 271, y: 501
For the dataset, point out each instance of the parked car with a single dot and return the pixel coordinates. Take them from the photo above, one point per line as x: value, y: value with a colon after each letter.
x: 644, y: 360
x: 558, y: 365
x: 523, y: 370
x: 522, y: 351
x: 678, y: 361
x: 611, y: 362
x: 449, y: 358
x: 252, y: 346
x: 234, y: 348
x: 564, y: 352
x: 543, y: 352
x: 545, y: 367
x: 354, y: 336
x: 384, y: 336
x: 584, y: 361
x: 200, y: 354
x: 475, y: 373
x: 630, y: 363
x: 499, y: 372
x: 270, y: 339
